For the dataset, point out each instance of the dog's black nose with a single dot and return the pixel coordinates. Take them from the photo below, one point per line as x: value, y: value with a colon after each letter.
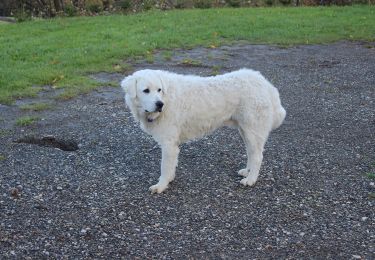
x: 159, y: 105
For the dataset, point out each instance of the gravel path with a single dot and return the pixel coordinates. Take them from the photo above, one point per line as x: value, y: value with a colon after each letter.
x: 314, y: 198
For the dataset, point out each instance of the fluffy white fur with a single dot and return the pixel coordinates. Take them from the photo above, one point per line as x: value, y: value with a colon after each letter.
x: 176, y: 108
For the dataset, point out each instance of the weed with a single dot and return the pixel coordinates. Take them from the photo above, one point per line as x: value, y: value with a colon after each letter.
x: 215, y: 70
x: 167, y: 55
x: 210, y: 56
x: 371, y: 175
x: 67, y: 94
x: 36, y: 107
x: 26, y: 120
x: 2, y: 157
x: 150, y: 57
x: 191, y: 63
x: 70, y: 10
x: 113, y: 83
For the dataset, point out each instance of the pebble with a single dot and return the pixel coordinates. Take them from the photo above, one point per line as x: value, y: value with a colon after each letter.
x: 15, y: 193
x: 84, y: 231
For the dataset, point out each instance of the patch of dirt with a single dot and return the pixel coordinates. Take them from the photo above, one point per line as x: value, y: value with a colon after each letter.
x: 49, y: 141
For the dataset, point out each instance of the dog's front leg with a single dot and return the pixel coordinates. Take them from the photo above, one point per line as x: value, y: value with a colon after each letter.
x: 168, y: 167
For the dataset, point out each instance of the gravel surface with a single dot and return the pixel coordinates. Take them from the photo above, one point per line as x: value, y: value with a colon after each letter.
x: 314, y: 198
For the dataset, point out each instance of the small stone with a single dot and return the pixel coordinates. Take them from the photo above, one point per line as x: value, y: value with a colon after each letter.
x: 15, y: 193
x: 59, y: 188
x: 268, y: 247
x: 356, y: 256
x: 121, y: 215
x: 84, y: 231
x: 364, y: 218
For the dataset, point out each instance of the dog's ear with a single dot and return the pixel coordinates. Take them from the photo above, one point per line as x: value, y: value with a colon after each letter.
x: 129, y: 85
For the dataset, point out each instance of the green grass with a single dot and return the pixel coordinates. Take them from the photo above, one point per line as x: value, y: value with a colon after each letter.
x: 191, y: 62
x: 36, y: 107
x: 167, y: 55
x: 26, y: 120
x: 371, y: 175
x: 61, y: 52
x: 215, y: 70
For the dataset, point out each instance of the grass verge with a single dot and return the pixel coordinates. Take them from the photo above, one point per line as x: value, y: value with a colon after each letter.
x: 61, y: 52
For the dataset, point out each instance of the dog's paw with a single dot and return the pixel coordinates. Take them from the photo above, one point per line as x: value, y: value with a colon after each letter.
x: 243, y: 172
x: 157, y: 188
x: 250, y: 180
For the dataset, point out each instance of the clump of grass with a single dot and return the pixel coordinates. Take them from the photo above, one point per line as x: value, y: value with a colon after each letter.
x: 114, y: 84
x: 36, y: 107
x: 191, y: 62
x: 80, y: 86
x: 2, y: 157
x: 167, y: 55
x: 371, y: 175
x: 68, y: 94
x: 215, y: 70
x: 121, y: 67
x: 150, y: 57
x: 26, y: 120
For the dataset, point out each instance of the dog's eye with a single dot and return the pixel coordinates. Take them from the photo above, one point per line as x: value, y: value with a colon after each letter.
x: 146, y: 90
x: 159, y: 89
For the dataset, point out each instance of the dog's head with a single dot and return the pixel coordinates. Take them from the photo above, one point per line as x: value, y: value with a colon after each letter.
x: 144, y: 94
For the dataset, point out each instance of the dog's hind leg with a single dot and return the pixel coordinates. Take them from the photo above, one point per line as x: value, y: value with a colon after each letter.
x: 168, y: 167
x: 254, y: 148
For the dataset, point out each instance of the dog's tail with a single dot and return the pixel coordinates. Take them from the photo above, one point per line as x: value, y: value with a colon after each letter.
x: 279, y: 112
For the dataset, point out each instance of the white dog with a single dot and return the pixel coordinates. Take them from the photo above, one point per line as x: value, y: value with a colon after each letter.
x: 176, y: 108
